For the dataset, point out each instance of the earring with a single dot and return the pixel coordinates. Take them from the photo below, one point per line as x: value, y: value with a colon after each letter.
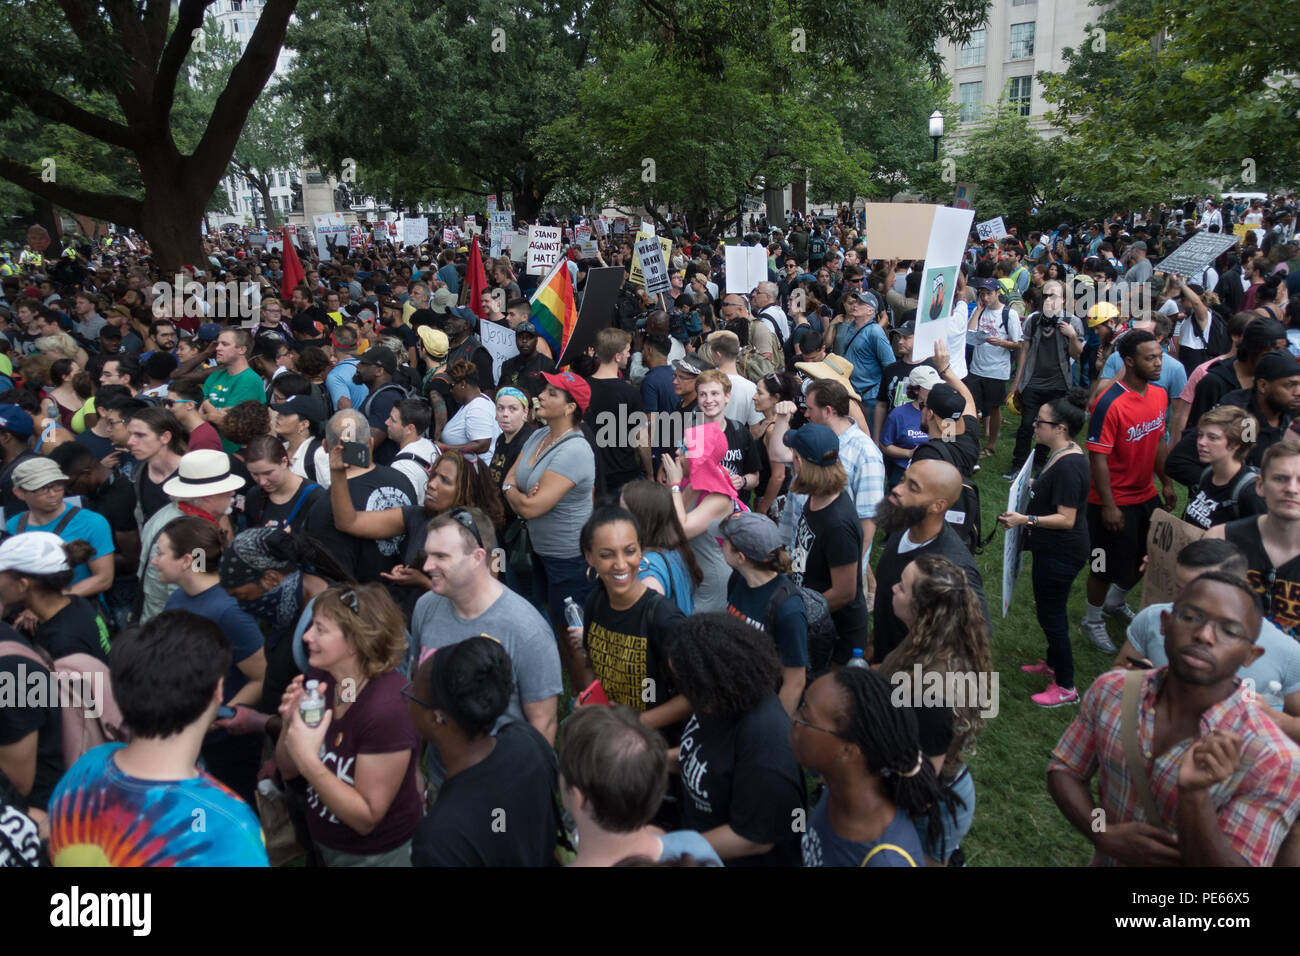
x: 591, y: 574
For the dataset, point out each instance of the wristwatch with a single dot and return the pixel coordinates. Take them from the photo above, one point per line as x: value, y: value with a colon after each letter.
x: 505, y: 488
x: 1033, y: 521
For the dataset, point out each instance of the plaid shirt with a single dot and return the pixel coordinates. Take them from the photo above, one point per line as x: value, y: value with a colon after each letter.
x: 1256, y: 806
x: 865, y: 468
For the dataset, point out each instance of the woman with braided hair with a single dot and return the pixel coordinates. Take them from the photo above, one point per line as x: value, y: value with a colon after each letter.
x: 869, y: 754
x: 947, y: 635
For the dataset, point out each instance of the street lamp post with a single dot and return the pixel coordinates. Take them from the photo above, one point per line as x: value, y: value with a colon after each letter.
x: 936, y: 131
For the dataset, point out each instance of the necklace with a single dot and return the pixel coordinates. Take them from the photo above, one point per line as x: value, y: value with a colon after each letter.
x: 1057, y: 454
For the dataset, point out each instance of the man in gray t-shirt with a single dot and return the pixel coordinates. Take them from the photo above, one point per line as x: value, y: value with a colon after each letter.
x: 467, y: 601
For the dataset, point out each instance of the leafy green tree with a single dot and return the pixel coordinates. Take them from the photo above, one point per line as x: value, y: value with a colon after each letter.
x: 108, y: 77
x: 1015, y: 172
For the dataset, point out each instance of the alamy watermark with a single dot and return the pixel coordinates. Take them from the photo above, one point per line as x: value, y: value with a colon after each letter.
x: 206, y: 300
x: 39, y: 688
x: 949, y: 689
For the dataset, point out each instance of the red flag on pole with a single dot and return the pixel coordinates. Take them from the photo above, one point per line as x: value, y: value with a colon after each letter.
x: 476, y: 280
x: 293, y: 274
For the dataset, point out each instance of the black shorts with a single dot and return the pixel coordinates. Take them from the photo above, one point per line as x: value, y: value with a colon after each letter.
x: 1117, y: 555
x: 989, y: 393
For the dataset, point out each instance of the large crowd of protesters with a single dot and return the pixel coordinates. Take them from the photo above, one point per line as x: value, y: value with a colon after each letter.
x: 330, y: 579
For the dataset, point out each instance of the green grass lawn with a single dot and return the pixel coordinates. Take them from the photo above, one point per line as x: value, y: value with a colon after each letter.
x: 1016, y: 821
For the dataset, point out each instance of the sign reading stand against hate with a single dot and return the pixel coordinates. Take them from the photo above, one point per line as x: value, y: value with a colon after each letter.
x: 544, y: 246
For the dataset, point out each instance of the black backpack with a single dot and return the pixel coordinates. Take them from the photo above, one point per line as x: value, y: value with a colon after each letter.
x: 1231, y: 507
x: 821, y: 629
x: 970, y: 528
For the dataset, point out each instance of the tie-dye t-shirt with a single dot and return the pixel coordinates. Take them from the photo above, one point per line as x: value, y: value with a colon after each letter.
x: 99, y: 816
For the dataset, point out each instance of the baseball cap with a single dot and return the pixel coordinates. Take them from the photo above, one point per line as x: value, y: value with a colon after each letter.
x: 575, y: 385
x: 15, y: 419
x: 754, y: 535
x: 382, y: 357
x: 816, y: 444
x: 35, y: 473
x: 309, y: 407
x: 907, y: 328
x: 924, y: 376
x: 208, y: 332
x: 1139, y: 245
x: 691, y: 365
x: 34, y: 552
x: 462, y: 312
x: 1271, y: 366
x: 986, y: 285
x: 945, y: 401
x: 869, y: 297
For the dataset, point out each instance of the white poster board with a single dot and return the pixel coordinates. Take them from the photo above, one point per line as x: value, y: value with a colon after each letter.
x: 544, y: 247
x: 746, y: 267
x: 943, y: 254
x: 653, y: 268
x: 991, y: 229
x: 1018, y: 501
x: 331, y: 233
x: 415, y: 231
x: 499, y: 340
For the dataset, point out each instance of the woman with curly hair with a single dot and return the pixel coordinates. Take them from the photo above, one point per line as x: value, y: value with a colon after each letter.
x: 244, y: 422
x: 741, y: 783
x: 363, y: 805
x: 869, y: 754
x: 947, y: 635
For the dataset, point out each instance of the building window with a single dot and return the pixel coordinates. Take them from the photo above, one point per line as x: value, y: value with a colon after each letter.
x: 1022, y: 41
x: 234, y: 26
x: 236, y: 5
x: 972, y: 101
x: 972, y: 53
x: 1021, y: 92
x: 1024, y: 3
x: 281, y: 179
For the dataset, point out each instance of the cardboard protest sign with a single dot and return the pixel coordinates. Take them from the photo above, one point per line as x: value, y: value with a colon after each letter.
x: 544, y: 248
x: 1168, y: 536
x: 596, y: 311
x: 746, y: 267
x: 1012, y: 547
x: 899, y: 230
x: 647, y: 231
x: 654, y: 270
x: 991, y: 229
x: 499, y: 340
x: 1196, y: 254
x: 948, y: 231
x: 415, y: 230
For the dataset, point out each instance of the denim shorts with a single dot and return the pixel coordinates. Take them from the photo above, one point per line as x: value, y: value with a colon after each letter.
x: 956, y: 823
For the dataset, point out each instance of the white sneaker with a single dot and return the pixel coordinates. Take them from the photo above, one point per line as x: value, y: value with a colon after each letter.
x: 1119, y: 612
x: 1095, y: 632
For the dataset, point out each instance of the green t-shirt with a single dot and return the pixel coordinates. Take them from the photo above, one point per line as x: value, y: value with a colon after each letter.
x: 224, y: 390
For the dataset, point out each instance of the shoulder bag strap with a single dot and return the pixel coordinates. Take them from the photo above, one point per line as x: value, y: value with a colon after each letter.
x: 1128, y: 726
x: 303, y: 493
x: 888, y: 846
x: 65, y: 520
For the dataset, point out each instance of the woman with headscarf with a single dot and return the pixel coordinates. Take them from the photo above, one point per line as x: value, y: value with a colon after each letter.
x: 702, y: 494
x: 512, y: 419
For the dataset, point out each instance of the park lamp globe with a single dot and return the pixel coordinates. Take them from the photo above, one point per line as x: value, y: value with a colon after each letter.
x: 936, y: 131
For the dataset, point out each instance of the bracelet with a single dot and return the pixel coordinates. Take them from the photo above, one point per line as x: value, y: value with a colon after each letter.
x: 944, y: 370
x: 676, y: 489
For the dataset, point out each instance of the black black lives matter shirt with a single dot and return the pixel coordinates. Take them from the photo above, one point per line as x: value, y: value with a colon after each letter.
x: 1212, y: 504
x: 742, y: 773
x: 742, y: 451
x: 628, y: 648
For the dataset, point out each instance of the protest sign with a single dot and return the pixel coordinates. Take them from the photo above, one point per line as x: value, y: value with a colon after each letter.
x: 499, y: 340
x: 898, y: 230
x: 491, y: 204
x: 1168, y: 536
x: 588, y: 248
x: 647, y: 231
x: 964, y: 197
x: 654, y: 270
x: 948, y: 231
x: 415, y: 230
x: 746, y: 267
x: 380, y: 233
x: 620, y: 227
x: 448, y: 236
x: 582, y: 233
x: 599, y: 294
x: 544, y: 247
x: 331, y: 233
x: 601, y: 226
x: 1012, y: 548
x: 1194, y: 255
x: 991, y: 229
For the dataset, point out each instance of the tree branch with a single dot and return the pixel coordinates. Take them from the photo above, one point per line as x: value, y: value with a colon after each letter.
x: 209, y: 160
x: 189, y: 19
x: 122, y: 210
x: 50, y: 105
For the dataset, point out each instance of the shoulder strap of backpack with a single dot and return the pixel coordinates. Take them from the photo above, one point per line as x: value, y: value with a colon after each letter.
x: 64, y: 521
x: 785, y: 589
x: 303, y: 494
x: 1246, y: 476
x: 1137, y: 769
x: 1006, y: 312
x: 309, y: 459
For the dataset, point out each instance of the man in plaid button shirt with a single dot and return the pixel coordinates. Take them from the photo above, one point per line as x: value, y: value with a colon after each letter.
x: 1225, y: 779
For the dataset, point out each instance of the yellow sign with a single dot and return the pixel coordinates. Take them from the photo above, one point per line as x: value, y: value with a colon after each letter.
x: 665, y: 244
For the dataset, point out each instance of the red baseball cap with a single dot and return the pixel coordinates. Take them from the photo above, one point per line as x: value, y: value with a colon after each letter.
x: 575, y: 385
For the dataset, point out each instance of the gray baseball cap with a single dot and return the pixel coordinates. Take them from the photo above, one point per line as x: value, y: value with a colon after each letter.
x: 753, y: 535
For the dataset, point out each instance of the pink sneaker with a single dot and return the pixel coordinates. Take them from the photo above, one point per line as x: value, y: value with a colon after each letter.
x: 1055, y: 696
x: 1039, y: 668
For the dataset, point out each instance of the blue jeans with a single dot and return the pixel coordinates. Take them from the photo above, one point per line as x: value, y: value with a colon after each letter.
x: 956, y: 823
x: 1053, y: 575
x: 554, y: 579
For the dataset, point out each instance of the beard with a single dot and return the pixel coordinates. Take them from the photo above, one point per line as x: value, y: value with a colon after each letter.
x: 892, y: 517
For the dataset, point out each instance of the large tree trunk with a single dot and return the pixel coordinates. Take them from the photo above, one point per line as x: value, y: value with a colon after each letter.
x: 170, y: 217
x: 264, y: 188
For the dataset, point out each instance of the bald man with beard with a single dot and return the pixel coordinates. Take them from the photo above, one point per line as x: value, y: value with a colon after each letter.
x: 912, y: 517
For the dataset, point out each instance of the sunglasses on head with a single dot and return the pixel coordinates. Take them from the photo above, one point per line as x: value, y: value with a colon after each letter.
x: 466, y: 520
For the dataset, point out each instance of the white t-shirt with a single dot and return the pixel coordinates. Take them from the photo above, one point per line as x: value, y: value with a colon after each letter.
x: 425, y: 450
x: 298, y: 463
x: 991, y: 361
x: 740, y: 404
x: 476, y: 420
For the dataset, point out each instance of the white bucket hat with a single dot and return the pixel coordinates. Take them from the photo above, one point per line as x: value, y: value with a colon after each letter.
x: 202, y: 473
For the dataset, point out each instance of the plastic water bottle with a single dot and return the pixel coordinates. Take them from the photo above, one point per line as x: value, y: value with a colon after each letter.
x: 572, y: 613
x: 857, y: 660
x: 312, y: 705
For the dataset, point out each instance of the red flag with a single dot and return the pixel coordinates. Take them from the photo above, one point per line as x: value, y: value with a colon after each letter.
x: 476, y: 280
x: 293, y: 274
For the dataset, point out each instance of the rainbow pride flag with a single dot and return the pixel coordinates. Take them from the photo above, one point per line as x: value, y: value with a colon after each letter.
x: 553, y: 313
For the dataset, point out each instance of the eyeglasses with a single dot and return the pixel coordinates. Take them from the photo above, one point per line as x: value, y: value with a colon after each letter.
x: 466, y: 520
x: 114, y: 422
x: 173, y: 402
x: 798, y: 719
x: 407, y: 692
x: 1196, y: 619
x: 1044, y: 421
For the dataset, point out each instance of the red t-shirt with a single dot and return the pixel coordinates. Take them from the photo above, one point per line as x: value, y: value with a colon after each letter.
x: 1128, y: 428
x: 205, y: 436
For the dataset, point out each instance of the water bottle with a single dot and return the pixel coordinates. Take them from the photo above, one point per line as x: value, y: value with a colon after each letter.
x: 572, y: 613
x: 312, y: 705
x: 857, y: 660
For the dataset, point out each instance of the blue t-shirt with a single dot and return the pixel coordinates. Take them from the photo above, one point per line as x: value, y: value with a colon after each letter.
x: 240, y: 629
x: 86, y: 525
x: 869, y: 350
x: 451, y: 277
x: 790, y: 621
x: 340, y: 385
x: 669, y: 569
x: 657, y: 393
x: 101, y: 817
x: 898, y: 845
x: 680, y: 843
x: 903, y: 428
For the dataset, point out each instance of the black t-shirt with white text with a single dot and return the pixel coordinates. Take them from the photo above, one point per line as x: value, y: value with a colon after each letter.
x: 1212, y: 504
x: 610, y: 413
x: 378, y: 489
x: 826, y: 539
